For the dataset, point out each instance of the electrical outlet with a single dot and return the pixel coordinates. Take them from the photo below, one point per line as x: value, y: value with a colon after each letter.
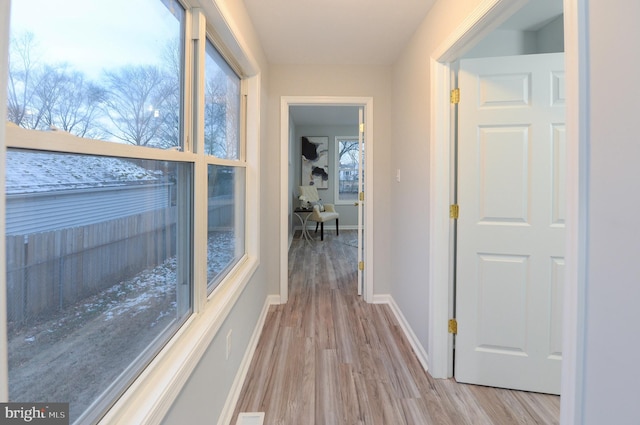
x: 398, y: 175
x: 229, y: 343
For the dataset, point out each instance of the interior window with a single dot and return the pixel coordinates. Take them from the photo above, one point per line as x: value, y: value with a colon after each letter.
x: 348, y: 168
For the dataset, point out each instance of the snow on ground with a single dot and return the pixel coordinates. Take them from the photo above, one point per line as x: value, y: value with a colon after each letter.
x: 139, y: 293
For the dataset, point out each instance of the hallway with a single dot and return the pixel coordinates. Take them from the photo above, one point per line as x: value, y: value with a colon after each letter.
x: 327, y: 357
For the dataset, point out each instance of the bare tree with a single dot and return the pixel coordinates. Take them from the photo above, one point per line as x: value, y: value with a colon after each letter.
x: 77, y: 110
x: 68, y: 102
x: 169, y: 133
x: 42, y: 96
x: 221, y: 116
x: 351, y: 149
x: 23, y: 81
x: 136, y: 98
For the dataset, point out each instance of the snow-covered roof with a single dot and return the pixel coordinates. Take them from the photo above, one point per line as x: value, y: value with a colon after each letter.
x: 30, y: 172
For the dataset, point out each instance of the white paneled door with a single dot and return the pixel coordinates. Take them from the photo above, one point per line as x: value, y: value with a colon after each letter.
x: 510, y: 237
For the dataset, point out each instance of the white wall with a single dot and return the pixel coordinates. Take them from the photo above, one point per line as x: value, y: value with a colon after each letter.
x: 505, y: 43
x: 548, y: 39
x: 410, y: 197
x: 612, y: 369
x: 351, y: 81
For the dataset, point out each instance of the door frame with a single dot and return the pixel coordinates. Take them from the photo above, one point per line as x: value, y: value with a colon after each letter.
x: 486, y: 17
x: 285, y: 103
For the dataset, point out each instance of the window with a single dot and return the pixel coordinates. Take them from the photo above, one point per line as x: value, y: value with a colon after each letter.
x: 221, y: 107
x: 226, y: 173
x: 348, y: 169
x: 95, y: 275
x: 225, y: 218
x: 101, y: 258
x: 110, y: 75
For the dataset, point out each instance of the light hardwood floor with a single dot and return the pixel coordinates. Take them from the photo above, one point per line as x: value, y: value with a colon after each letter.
x: 327, y: 357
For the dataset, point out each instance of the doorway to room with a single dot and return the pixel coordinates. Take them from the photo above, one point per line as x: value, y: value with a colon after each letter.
x: 488, y: 16
x: 339, y: 121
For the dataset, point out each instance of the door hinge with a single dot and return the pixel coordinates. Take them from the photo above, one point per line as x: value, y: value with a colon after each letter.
x: 455, y: 96
x: 361, y: 127
x: 361, y: 266
x: 361, y: 197
x: 454, y: 211
x: 453, y: 326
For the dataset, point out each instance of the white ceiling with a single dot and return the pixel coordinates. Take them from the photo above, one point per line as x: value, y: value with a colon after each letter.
x: 324, y: 115
x: 534, y: 15
x: 335, y: 32
x: 364, y: 32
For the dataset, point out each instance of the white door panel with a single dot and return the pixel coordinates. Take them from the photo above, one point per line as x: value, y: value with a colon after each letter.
x: 511, y: 161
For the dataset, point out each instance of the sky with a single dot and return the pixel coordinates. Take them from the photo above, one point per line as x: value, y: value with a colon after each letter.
x: 118, y: 32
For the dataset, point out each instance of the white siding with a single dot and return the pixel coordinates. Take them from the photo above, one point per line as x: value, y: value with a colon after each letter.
x: 41, y: 212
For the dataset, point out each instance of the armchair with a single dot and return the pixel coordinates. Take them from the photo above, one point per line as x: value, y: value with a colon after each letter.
x: 321, y: 213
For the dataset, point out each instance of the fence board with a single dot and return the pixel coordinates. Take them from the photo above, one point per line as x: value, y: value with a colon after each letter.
x: 52, y: 270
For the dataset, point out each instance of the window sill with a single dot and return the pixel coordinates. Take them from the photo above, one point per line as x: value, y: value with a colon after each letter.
x: 151, y: 396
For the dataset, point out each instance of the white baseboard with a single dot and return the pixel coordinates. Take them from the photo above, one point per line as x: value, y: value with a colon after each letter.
x: 408, y: 332
x: 236, y: 387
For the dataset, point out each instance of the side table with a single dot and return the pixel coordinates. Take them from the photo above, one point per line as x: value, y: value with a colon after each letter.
x: 303, y: 216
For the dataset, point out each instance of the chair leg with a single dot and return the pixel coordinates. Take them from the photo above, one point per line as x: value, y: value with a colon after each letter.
x: 337, y: 228
x: 317, y: 223
x: 322, y: 230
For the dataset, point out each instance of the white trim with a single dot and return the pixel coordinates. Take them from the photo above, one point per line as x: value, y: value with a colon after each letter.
x: 4, y: 56
x: 152, y: 394
x: 234, y: 394
x: 154, y: 391
x: 489, y: 14
x: 577, y: 122
x: 285, y: 103
x: 486, y: 17
x: 226, y: 30
x: 419, y: 351
x: 440, y: 278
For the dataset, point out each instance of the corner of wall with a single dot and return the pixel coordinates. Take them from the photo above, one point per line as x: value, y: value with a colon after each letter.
x: 418, y: 349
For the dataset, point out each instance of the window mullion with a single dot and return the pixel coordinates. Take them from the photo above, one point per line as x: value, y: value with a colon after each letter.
x: 198, y: 37
x: 4, y: 48
x: 243, y: 120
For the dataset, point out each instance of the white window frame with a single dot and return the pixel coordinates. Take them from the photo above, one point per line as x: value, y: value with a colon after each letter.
x: 151, y: 395
x: 208, y: 34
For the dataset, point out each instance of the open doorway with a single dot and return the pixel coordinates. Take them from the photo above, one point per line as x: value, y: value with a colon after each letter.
x: 329, y: 118
x: 510, y: 87
x: 487, y: 17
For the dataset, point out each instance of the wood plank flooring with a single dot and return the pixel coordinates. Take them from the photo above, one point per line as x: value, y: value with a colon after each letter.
x: 328, y: 358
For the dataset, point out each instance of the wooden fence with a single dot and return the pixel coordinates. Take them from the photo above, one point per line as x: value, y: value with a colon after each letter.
x: 51, y: 270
